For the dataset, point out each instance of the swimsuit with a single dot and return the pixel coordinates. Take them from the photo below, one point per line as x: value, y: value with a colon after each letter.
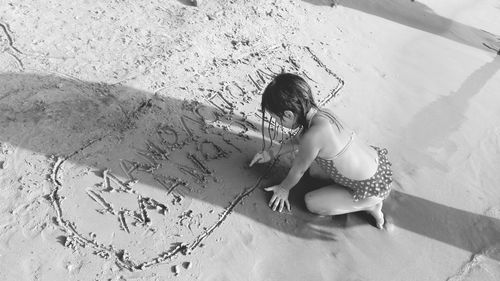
x: 378, y: 185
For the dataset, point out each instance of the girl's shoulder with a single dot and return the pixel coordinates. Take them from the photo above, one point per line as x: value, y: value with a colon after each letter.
x: 326, y: 117
x: 325, y: 126
x: 318, y: 128
x: 313, y: 136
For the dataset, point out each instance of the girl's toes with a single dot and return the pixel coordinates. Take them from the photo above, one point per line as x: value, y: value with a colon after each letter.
x: 380, y: 225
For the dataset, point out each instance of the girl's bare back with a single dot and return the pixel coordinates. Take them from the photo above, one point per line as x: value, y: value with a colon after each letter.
x: 352, y: 156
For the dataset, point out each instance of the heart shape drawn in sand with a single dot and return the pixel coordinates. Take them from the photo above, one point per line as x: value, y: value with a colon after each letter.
x: 164, y: 181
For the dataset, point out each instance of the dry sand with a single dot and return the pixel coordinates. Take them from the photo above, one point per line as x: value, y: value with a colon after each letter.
x: 126, y: 128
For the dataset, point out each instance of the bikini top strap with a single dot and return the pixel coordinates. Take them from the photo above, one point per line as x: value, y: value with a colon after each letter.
x: 347, y: 145
x: 328, y: 115
x: 335, y: 121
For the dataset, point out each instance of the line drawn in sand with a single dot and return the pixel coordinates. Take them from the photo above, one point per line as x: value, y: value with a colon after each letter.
x: 11, y: 50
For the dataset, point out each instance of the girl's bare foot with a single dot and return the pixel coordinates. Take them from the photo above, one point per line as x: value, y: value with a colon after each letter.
x: 376, y: 212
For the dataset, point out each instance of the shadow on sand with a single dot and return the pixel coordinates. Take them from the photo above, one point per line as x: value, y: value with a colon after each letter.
x: 465, y: 230
x: 46, y: 114
x: 444, y: 116
x: 419, y: 16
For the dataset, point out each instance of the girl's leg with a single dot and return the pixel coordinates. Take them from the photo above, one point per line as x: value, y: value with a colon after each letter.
x: 336, y: 200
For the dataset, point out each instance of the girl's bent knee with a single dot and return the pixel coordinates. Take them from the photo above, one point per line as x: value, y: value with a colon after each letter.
x: 309, y: 199
x: 314, y: 205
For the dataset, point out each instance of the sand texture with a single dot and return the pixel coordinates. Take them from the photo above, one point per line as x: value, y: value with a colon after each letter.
x: 127, y: 127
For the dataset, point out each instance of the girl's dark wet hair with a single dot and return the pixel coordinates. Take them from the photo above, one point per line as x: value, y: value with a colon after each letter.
x: 286, y: 92
x: 291, y: 92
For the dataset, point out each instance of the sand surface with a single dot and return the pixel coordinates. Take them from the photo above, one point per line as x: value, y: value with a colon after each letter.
x: 126, y: 129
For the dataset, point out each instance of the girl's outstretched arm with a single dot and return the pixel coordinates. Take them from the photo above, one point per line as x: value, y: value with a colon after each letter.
x: 291, y: 145
x: 308, y: 151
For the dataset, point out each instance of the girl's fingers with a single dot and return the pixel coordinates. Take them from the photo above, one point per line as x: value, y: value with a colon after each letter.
x: 276, y: 203
x: 255, y: 159
x: 273, y: 199
x: 288, y: 205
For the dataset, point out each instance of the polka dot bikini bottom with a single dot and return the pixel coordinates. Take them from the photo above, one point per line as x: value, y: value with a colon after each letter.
x: 379, y: 185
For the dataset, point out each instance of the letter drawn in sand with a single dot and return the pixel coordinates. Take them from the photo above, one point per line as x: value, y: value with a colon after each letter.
x: 216, y: 151
x: 128, y: 167
x: 119, y: 185
x: 107, y: 207
x: 200, y: 172
x: 221, y: 103
x: 168, y: 136
x: 185, y: 121
x: 208, y: 115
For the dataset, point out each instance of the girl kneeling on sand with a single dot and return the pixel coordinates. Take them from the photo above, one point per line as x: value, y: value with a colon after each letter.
x: 359, y: 174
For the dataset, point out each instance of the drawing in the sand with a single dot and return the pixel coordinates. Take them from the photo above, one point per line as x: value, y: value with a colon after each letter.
x: 144, y: 184
x: 127, y: 129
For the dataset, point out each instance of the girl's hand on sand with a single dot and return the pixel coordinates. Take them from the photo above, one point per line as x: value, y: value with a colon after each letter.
x: 279, y: 199
x: 262, y: 157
